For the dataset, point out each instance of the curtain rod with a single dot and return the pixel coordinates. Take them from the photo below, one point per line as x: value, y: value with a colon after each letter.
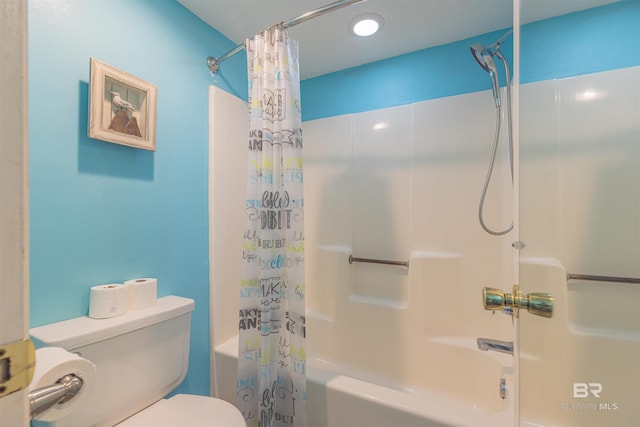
x: 214, y: 63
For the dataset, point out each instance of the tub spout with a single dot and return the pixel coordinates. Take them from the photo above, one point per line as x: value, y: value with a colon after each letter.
x: 486, y: 344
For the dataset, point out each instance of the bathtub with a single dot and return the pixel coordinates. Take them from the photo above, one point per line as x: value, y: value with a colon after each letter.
x: 389, y: 347
x: 341, y: 396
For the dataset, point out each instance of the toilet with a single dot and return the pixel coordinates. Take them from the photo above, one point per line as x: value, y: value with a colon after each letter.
x: 140, y: 358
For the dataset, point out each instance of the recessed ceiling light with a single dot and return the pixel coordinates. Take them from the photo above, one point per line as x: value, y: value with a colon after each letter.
x: 366, y: 25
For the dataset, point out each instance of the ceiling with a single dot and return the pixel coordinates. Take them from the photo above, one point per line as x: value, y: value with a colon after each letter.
x: 326, y: 45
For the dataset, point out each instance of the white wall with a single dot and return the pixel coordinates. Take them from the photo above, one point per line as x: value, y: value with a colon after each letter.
x: 580, y: 213
x: 408, y: 188
x: 228, y: 133
x: 396, y: 182
x: 400, y: 184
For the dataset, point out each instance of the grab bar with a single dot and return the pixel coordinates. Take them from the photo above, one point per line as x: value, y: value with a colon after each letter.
x: 603, y: 278
x: 353, y: 259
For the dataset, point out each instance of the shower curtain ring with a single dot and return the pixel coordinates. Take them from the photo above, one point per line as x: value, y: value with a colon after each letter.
x: 277, y: 26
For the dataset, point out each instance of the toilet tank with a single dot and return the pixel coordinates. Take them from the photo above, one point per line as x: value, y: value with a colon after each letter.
x: 140, y: 357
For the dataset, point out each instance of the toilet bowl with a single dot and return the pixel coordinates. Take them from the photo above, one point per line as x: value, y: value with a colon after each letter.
x: 187, y: 410
x: 140, y: 358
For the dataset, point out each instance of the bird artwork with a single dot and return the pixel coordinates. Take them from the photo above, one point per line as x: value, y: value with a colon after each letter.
x: 121, y: 121
x: 121, y: 103
x: 132, y: 127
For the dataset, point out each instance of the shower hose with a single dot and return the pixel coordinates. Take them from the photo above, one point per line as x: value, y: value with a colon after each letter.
x: 493, y: 160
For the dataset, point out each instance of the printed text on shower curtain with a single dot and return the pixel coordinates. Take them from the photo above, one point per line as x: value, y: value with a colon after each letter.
x: 271, y: 387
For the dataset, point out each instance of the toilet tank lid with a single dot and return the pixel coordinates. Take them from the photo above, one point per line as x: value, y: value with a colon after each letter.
x: 73, y: 333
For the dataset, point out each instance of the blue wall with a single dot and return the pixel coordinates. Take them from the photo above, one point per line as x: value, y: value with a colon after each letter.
x: 436, y: 72
x: 589, y: 41
x: 104, y: 213
x: 594, y: 40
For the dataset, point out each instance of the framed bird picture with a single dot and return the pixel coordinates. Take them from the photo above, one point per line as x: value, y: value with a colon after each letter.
x: 122, y: 107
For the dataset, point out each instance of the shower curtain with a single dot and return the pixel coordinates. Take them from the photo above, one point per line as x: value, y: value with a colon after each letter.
x: 271, y: 387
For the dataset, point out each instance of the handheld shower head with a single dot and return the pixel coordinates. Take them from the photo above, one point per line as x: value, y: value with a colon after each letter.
x: 478, y: 51
x: 485, y: 59
x: 484, y: 56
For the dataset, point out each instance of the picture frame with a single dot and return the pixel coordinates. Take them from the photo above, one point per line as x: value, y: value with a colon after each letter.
x: 122, y: 107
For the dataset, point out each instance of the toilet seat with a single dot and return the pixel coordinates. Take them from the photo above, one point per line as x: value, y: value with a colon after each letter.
x: 187, y: 410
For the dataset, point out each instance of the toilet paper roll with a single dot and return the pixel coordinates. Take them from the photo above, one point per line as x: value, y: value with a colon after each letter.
x: 108, y: 301
x: 53, y: 363
x: 143, y: 292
